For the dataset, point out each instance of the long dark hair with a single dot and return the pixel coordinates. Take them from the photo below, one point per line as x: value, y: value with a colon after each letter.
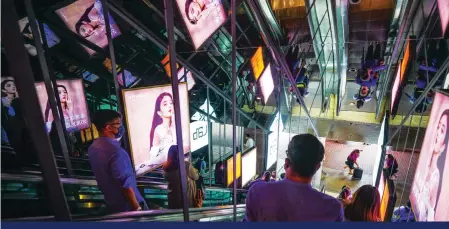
x: 172, y: 162
x: 442, y: 158
x: 84, y: 17
x: 157, y: 120
x: 3, y: 94
x: 47, y: 107
x: 365, y: 205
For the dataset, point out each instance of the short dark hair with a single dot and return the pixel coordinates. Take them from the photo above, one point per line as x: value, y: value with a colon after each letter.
x: 102, y: 117
x: 305, y: 152
x: 247, y: 135
x: 359, y: 103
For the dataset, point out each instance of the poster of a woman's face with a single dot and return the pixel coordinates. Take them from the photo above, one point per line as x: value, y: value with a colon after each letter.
x: 151, y: 124
x: 85, y: 17
x: 72, y: 101
x: 202, y: 18
x: 429, y: 195
x: 8, y: 91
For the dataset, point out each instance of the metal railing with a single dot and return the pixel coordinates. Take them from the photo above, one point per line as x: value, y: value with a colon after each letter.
x: 221, y: 213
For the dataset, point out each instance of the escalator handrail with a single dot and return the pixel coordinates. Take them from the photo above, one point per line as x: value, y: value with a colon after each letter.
x: 90, y: 181
x: 136, y: 214
x: 149, y: 213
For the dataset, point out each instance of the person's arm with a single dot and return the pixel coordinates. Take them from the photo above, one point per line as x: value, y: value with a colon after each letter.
x: 192, y: 172
x: 341, y: 215
x: 122, y: 172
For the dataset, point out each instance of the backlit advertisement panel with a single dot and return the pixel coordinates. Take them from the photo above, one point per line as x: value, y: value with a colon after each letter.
x: 230, y: 169
x: 394, y: 91
x: 25, y: 29
x: 85, y: 17
x: 257, y: 63
x: 429, y: 193
x: 73, y: 104
x: 249, y: 166
x: 198, y: 135
x: 266, y: 83
x: 443, y: 8
x: 151, y: 124
x: 202, y: 18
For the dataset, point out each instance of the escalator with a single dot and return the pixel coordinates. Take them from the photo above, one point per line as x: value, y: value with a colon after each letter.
x: 84, y: 197
x: 205, y: 214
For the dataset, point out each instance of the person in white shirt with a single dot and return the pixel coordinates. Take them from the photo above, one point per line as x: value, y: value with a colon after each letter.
x: 249, y: 142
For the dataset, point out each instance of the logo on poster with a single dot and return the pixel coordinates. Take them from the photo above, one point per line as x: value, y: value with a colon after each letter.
x: 198, y: 135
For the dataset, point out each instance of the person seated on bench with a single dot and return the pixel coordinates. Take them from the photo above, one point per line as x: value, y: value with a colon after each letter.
x: 391, y: 166
x: 351, y: 160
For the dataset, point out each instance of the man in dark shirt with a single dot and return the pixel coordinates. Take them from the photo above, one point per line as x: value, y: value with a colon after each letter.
x: 112, y: 166
x: 294, y: 199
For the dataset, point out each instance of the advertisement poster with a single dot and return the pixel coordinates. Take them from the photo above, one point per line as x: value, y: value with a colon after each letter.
x: 394, y: 90
x: 429, y: 194
x: 25, y: 29
x: 73, y: 104
x: 257, y: 63
x: 443, y: 8
x: 249, y: 166
x: 202, y: 18
x: 85, y: 17
x: 230, y: 169
x: 266, y: 83
x: 151, y: 124
x: 198, y: 135
x: 9, y: 93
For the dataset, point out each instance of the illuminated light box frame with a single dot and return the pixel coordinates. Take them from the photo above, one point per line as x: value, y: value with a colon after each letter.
x: 230, y: 169
x: 249, y: 166
x: 257, y: 63
x: 266, y: 83
x: 77, y: 116
x: 404, y: 69
x: 78, y: 12
x: 443, y: 8
x: 198, y: 135
x: 210, y: 19
x: 427, y: 205
x: 141, y: 119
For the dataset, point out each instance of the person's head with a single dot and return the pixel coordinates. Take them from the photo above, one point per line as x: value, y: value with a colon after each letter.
x: 359, y: 103
x: 282, y: 176
x: 364, y: 91
x: 108, y: 123
x: 266, y: 176
x: 440, y: 147
x: 345, y: 193
x: 390, y: 157
x: 441, y: 134
x: 365, y: 205
x: 247, y: 137
x: 84, y: 28
x: 163, y: 110
x: 304, y: 155
x: 193, y: 10
x: 172, y: 162
x: 8, y: 88
x: 63, y: 94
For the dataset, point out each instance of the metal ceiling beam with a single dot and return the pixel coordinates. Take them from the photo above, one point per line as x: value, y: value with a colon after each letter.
x: 279, y: 58
x: 122, y: 13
